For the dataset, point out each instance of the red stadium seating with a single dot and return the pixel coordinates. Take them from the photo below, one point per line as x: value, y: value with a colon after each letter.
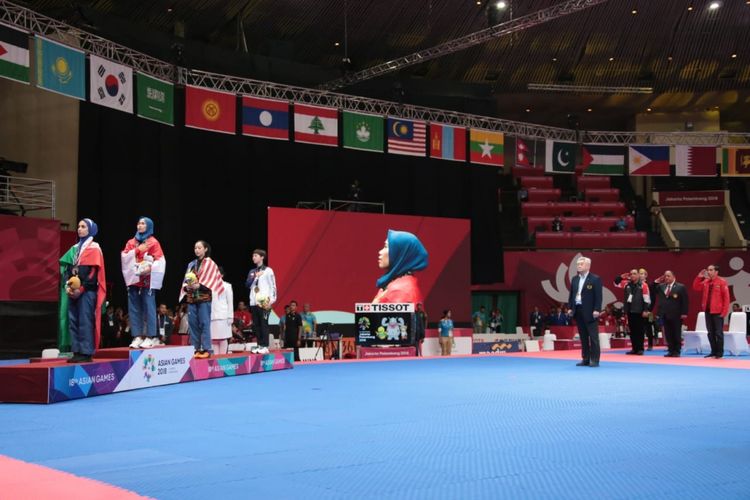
x: 591, y: 240
x: 585, y: 182
x: 519, y: 171
x: 586, y: 223
x: 607, y: 208
x: 537, y: 182
x: 602, y: 194
x: 553, y: 240
x: 543, y: 194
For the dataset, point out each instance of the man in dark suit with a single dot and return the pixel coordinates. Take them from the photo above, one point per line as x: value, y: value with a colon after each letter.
x: 585, y: 301
x: 672, y: 307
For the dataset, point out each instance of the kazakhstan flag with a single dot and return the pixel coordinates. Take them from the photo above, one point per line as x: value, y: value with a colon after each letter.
x: 60, y: 68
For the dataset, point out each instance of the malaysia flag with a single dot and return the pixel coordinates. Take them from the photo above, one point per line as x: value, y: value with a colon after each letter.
x: 406, y: 137
x: 648, y: 160
x: 266, y: 118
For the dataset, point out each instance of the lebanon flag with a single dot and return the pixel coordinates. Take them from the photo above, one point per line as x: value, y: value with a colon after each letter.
x: 695, y: 161
x: 486, y: 147
x: 447, y: 143
x: 316, y: 125
x: 648, y: 160
x: 111, y: 84
x: 267, y: 118
x: 210, y: 110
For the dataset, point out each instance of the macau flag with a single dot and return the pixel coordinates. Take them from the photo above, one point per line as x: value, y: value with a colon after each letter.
x: 362, y: 131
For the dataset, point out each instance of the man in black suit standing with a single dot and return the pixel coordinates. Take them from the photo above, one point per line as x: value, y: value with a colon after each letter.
x: 672, y: 304
x: 585, y: 301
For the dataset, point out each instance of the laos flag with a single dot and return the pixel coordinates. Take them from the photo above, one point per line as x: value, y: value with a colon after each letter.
x: 267, y: 118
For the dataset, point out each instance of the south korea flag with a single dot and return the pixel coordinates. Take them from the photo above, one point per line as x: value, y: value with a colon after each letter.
x: 111, y: 84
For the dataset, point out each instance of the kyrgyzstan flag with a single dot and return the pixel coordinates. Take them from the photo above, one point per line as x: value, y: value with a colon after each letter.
x: 210, y: 110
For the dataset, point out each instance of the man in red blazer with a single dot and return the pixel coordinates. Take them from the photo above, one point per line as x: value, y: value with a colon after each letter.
x: 715, y: 303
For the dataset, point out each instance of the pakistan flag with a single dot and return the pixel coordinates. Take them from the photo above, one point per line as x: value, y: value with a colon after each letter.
x: 363, y: 132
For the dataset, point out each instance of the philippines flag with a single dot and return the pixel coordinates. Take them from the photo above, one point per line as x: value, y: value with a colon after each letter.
x: 695, y: 161
x: 406, y: 137
x: 447, y: 143
x: 267, y: 118
x: 316, y: 125
x: 648, y: 160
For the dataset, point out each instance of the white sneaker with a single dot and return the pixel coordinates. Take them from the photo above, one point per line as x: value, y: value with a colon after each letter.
x: 147, y: 343
x: 136, y: 343
x: 156, y: 341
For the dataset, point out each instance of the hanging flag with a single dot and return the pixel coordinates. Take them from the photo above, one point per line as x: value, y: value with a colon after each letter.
x: 316, y: 125
x: 155, y: 99
x: 648, y: 160
x: 486, y: 147
x: 60, y: 68
x: 735, y: 161
x: 111, y: 84
x: 210, y: 110
x: 268, y: 118
x: 362, y: 131
x: 14, y: 54
x: 695, y: 161
x: 407, y: 137
x: 522, y: 153
x: 560, y: 157
x: 603, y: 159
x: 447, y: 142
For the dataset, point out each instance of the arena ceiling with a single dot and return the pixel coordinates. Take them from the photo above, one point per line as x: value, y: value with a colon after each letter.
x: 694, y: 57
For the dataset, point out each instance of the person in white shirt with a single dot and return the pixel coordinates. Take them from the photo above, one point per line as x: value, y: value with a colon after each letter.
x: 261, y: 283
x: 222, y: 314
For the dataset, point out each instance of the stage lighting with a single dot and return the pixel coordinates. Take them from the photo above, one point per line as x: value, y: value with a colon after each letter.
x: 501, y: 5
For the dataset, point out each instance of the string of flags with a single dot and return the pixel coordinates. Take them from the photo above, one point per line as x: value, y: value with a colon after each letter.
x: 62, y: 69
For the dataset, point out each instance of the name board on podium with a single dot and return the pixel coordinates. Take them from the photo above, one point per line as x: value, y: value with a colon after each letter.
x: 384, y: 324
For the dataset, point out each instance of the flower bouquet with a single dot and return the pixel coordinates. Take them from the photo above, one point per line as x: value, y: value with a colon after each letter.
x: 263, y: 301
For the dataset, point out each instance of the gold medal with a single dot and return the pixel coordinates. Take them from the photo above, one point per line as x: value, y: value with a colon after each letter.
x: 257, y: 289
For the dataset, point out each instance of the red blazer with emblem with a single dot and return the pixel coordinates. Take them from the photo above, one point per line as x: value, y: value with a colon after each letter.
x: 719, y: 295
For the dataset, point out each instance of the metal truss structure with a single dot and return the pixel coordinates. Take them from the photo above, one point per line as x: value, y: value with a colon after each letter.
x: 28, y: 20
x: 588, y: 89
x: 464, y: 42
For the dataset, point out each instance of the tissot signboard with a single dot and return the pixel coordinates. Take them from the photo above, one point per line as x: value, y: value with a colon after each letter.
x: 384, y: 324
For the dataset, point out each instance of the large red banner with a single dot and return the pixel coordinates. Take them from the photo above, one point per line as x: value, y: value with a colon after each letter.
x: 330, y: 259
x: 544, y: 277
x: 29, y: 253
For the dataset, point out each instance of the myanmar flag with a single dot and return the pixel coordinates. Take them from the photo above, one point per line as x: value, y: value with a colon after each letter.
x: 447, y: 143
x: 14, y: 54
x: 210, y: 110
x: 486, y: 147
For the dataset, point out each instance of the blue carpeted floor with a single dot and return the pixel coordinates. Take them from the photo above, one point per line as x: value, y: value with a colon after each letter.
x: 443, y: 428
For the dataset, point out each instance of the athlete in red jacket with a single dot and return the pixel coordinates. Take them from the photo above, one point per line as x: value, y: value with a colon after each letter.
x: 715, y: 303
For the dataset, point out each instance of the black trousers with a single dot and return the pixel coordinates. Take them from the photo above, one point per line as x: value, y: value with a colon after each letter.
x: 673, y: 333
x: 635, y: 323
x: 260, y: 325
x: 650, y: 331
x: 715, y: 327
x: 589, y: 333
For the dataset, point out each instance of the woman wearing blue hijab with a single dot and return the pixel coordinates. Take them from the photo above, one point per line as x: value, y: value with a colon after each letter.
x: 143, y: 267
x: 402, y: 254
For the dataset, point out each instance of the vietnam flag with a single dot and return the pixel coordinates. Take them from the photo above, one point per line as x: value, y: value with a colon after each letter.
x: 486, y: 147
x: 447, y: 143
x: 210, y: 110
